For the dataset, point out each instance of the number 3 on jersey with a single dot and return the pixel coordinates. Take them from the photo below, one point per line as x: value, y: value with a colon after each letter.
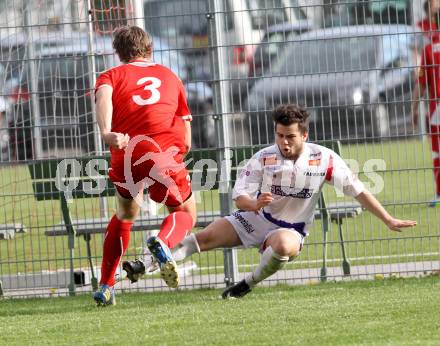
x: 155, y: 94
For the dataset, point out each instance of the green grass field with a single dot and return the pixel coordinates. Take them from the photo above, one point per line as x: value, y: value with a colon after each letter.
x: 387, y: 312
x: 407, y: 178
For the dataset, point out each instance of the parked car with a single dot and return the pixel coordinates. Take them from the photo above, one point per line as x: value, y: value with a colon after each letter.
x: 184, y: 24
x: 274, y: 40
x: 64, y: 101
x: 355, y: 81
x: 4, y: 132
x: 359, y: 12
x: 4, y: 115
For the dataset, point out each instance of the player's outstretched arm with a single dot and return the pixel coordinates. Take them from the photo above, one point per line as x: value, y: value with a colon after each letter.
x: 369, y: 202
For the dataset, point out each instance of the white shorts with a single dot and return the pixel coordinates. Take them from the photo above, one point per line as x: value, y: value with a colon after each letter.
x: 253, y: 229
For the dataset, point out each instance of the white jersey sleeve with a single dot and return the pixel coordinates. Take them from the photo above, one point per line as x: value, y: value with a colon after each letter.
x: 249, y: 179
x: 342, y: 178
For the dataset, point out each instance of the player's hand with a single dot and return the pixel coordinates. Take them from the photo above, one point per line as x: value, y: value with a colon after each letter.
x: 116, y: 139
x: 264, y: 199
x: 396, y: 224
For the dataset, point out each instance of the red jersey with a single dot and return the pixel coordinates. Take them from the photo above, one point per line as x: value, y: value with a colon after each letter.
x: 427, y: 26
x: 147, y: 98
x: 429, y: 73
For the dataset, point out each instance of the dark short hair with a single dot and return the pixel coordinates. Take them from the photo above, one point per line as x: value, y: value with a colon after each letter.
x: 291, y: 114
x: 131, y: 42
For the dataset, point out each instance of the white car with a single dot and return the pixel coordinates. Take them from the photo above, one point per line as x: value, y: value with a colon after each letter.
x: 4, y: 129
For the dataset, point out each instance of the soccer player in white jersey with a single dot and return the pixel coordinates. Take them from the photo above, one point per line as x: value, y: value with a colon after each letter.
x: 276, y: 194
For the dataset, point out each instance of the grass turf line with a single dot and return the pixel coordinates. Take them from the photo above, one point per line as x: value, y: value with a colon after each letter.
x: 391, y: 312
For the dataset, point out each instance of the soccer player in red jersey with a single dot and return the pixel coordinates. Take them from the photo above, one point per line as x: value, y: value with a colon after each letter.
x: 144, y: 117
x: 428, y: 24
x: 429, y: 78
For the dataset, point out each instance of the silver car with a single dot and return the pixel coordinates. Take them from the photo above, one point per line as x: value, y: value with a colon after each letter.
x: 355, y: 81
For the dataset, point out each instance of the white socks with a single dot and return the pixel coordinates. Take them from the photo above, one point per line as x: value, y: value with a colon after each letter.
x: 270, y: 263
x: 186, y: 248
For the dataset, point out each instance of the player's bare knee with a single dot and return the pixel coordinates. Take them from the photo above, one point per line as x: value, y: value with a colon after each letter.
x: 189, y: 206
x: 284, y: 248
x: 127, y: 216
x: 127, y: 212
x: 284, y: 243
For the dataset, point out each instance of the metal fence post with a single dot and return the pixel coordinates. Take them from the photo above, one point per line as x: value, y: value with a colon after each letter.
x: 35, y: 104
x: 134, y: 10
x: 71, y: 242
x: 92, y: 78
x: 222, y: 109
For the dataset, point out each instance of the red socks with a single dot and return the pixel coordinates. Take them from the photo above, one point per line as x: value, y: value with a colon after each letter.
x: 172, y: 231
x: 175, y: 227
x: 115, y: 243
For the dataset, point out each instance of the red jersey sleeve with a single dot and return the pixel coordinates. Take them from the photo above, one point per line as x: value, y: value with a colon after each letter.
x: 182, y: 107
x: 105, y: 78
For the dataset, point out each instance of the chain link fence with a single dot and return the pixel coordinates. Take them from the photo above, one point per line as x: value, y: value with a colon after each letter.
x: 353, y: 64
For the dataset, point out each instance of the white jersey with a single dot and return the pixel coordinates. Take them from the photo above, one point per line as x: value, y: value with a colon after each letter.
x: 295, y: 185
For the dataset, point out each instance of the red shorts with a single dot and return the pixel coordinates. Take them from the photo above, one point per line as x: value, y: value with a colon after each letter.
x: 156, y: 163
